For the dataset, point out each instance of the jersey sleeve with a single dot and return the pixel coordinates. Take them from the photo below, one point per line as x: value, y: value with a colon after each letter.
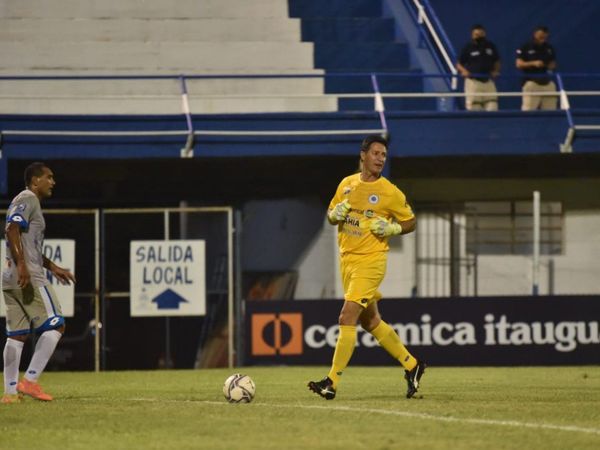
x: 552, y: 53
x: 496, y: 56
x: 464, y: 55
x: 400, y: 209
x: 20, y: 212
x: 337, y: 197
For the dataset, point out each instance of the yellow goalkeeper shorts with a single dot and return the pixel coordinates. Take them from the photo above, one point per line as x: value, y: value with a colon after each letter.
x: 362, y: 275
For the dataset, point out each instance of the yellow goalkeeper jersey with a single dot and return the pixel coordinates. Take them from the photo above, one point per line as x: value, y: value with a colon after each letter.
x: 367, y: 200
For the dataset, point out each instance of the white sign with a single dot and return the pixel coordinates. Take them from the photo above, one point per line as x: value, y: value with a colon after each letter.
x: 62, y: 253
x: 167, y: 278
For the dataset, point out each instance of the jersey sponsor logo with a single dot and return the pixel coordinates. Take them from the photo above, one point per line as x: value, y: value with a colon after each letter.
x: 352, y: 221
x: 373, y: 199
x: 489, y: 51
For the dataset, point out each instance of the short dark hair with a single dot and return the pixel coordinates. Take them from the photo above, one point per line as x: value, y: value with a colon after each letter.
x: 477, y: 26
x: 35, y: 169
x: 371, y: 139
x: 543, y: 28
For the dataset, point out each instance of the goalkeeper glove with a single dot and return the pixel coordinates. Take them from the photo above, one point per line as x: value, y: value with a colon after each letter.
x: 339, y: 211
x: 381, y: 227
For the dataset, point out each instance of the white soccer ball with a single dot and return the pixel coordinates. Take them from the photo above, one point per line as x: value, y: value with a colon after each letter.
x: 239, y: 388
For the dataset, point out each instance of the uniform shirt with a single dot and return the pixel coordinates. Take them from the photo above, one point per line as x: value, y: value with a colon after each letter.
x: 25, y: 210
x: 479, y: 58
x: 368, y: 199
x: 532, y: 51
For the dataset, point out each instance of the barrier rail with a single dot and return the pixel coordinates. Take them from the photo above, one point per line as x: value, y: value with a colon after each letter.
x: 377, y: 94
x: 427, y: 16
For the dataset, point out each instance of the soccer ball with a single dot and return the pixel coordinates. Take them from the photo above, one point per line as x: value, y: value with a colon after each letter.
x: 239, y: 388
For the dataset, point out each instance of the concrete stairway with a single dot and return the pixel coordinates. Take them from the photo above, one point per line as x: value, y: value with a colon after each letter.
x: 155, y: 37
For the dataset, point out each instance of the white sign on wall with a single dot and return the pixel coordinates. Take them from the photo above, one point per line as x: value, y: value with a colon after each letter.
x: 167, y: 278
x: 62, y: 253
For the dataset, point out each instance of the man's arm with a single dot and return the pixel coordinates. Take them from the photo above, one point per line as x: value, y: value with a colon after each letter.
x: 522, y: 64
x: 408, y: 226
x: 13, y: 236
x: 496, y: 69
x: 63, y: 275
x: 462, y: 70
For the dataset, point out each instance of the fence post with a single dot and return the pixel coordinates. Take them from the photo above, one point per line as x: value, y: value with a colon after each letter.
x: 536, y: 244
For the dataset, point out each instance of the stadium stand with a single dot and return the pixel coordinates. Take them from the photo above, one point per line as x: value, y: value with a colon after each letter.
x: 124, y: 38
x: 116, y: 137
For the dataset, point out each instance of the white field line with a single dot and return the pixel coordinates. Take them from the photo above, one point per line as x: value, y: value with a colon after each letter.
x: 390, y: 412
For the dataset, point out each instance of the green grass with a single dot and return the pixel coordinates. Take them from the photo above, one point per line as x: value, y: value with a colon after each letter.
x: 458, y: 408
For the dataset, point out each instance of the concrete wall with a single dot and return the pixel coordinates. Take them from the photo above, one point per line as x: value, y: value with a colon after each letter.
x: 577, y: 271
x: 153, y: 37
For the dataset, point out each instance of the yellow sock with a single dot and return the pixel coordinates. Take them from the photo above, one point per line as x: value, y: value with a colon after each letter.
x: 343, y: 352
x: 390, y: 341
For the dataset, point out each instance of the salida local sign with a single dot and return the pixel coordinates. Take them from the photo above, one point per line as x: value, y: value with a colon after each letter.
x: 167, y: 278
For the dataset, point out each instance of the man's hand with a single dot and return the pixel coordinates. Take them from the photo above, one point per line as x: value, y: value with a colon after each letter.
x: 23, y: 274
x: 381, y: 227
x: 339, y: 212
x: 63, y: 275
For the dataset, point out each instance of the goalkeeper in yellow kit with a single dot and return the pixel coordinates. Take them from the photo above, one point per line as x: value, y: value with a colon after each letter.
x: 367, y: 210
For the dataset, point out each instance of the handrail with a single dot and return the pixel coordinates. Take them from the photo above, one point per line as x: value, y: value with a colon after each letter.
x: 442, y: 30
x: 564, y: 100
x: 379, y: 106
x: 196, y: 133
x: 424, y: 18
x: 273, y: 75
x: 188, y: 150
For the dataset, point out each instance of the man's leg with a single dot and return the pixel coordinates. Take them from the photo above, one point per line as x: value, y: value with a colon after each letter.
x: 51, y: 328
x: 44, y: 348
x: 491, y: 102
x: 391, y: 342
x: 346, y: 342
x: 472, y: 102
x: 549, y: 102
x: 17, y: 329
x: 344, y: 348
x: 530, y: 102
x: 12, y: 358
x: 386, y: 336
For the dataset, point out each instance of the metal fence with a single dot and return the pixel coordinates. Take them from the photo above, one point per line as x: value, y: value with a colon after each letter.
x: 102, y: 335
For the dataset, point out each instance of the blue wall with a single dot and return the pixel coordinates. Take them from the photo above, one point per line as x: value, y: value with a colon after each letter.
x: 353, y: 36
x: 574, y: 30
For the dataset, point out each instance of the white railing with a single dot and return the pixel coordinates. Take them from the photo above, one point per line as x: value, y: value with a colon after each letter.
x: 423, y: 18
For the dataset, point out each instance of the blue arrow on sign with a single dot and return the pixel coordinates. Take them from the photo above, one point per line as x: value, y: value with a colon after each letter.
x: 169, y: 299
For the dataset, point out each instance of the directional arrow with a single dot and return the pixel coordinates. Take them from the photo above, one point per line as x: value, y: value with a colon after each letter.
x: 169, y: 299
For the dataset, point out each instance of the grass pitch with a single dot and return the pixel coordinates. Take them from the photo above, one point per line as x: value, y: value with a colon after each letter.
x: 457, y: 408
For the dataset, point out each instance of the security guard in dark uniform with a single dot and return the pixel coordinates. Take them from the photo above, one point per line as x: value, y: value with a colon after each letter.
x: 479, y: 64
x: 538, y: 58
